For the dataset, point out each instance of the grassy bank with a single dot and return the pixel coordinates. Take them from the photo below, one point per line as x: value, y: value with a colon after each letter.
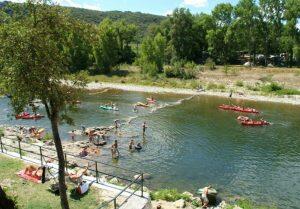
x: 29, y: 195
x: 221, y: 79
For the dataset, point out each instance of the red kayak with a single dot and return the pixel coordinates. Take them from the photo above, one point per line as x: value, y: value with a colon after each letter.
x: 255, y: 123
x: 238, y: 108
x: 27, y: 116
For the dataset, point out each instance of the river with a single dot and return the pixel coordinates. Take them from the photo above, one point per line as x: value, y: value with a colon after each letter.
x: 191, y: 143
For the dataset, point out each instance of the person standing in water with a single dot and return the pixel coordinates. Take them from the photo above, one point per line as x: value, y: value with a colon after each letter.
x: 115, y: 150
x: 73, y: 136
x: 144, y: 128
x: 131, y: 145
x: 116, y: 124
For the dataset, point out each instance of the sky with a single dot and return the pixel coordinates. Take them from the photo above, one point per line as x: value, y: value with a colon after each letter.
x: 159, y: 7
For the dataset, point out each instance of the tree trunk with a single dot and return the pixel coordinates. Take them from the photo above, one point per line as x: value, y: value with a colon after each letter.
x: 61, y: 162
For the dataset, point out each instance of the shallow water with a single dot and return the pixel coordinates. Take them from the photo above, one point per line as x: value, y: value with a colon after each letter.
x: 190, y: 143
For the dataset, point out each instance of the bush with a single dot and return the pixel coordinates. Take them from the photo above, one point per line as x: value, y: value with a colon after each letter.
x: 239, y: 83
x: 211, y: 85
x: 47, y: 137
x: 210, y: 64
x: 189, y: 73
x: 169, y: 195
x: 1, y: 132
x: 150, y: 69
x: 272, y: 87
x: 252, y: 88
x: 226, y: 69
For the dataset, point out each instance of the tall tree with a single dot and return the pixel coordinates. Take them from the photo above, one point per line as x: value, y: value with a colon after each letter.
x: 246, y: 26
x: 290, y: 39
x: 81, y: 42
x: 106, y: 48
x: 182, y: 34
x: 33, y: 57
x: 220, y: 44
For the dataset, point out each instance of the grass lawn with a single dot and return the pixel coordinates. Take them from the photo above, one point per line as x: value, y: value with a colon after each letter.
x: 36, y: 196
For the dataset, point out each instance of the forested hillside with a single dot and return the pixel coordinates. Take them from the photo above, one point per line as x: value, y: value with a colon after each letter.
x: 92, y: 16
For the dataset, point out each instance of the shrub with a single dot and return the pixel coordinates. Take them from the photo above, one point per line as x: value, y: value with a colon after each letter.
x: 272, y: 87
x: 150, y: 69
x: 1, y: 132
x: 221, y: 86
x: 252, y: 88
x: 169, y: 195
x: 239, y: 83
x: 47, y: 137
x: 210, y: 64
x: 211, y: 85
x: 190, y: 65
x: 189, y: 73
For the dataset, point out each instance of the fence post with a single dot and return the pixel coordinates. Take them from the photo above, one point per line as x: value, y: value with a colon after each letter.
x: 66, y: 163
x: 142, y: 185
x: 20, y: 150
x: 97, y: 174
x: 41, y: 154
x: 1, y: 143
x: 115, y: 203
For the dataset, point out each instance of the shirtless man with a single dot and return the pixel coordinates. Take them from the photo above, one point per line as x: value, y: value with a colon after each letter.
x: 204, y: 197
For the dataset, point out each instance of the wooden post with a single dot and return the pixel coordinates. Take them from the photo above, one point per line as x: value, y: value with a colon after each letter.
x: 66, y: 163
x: 20, y: 150
x: 142, y: 186
x: 97, y: 174
x: 115, y: 203
x: 41, y: 155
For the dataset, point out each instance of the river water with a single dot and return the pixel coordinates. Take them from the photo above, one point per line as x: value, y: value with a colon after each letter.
x: 191, y: 143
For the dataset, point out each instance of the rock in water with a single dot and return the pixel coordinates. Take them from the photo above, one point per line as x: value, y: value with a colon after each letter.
x: 179, y: 203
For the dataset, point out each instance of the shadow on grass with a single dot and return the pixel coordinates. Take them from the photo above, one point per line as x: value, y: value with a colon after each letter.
x: 75, y: 196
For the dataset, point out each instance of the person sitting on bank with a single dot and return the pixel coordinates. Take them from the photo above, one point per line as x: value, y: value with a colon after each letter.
x: 77, y: 176
x: 84, y: 152
x: 34, y: 171
x: 204, y: 197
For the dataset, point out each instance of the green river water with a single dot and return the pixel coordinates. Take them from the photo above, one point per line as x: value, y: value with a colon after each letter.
x: 191, y: 143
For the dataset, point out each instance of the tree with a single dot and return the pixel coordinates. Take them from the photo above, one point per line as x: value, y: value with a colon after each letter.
x: 290, y: 39
x: 33, y: 57
x: 220, y: 43
x: 125, y: 34
x: 106, y: 48
x: 246, y: 26
x: 182, y: 34
x: 152, y: 54
x: 81, y: 42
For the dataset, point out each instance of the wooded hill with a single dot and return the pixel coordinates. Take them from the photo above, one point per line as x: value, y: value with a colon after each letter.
x: 141, y: 20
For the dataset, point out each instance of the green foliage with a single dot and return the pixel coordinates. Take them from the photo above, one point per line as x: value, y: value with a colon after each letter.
x: 1, y: 132
x: 211, y: 86
x: 272, y: 87
x: 47, y: 137
x: 210, y: 64
x: 152, y: 55
x: 169, y: 195
x: 267, y: 78
x: 239, y: 83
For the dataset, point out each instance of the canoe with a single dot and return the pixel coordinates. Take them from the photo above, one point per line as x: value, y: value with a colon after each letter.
x: 255, y: 123
x: 238, y: 108
x: 140, y: 104
x: 29, y: 117
x: 108, y: 108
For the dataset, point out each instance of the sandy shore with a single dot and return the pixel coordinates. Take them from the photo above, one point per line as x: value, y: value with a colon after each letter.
x: 295, y: 100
